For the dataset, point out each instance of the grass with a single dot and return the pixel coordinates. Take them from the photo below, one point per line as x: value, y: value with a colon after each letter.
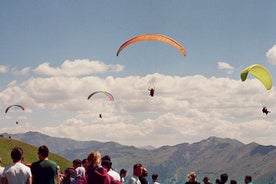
x: 29, y: 153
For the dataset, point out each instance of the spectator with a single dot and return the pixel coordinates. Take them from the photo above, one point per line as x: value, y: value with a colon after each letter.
x: 143, y: 177
x: 1, y: 169
x: 223, y: 178
x: 123, y: 173
x: 137, y: 171
x: 79, y: 170
x: 248, y: 179
x: 17, y: 173
x: 44, y: 171
x: 206, y: 180
x: 154, y: 179
x: 106, y: 162
x: 97, y: 174
x: 191, y: 178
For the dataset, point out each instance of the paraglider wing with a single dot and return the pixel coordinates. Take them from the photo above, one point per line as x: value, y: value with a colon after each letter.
x: 20, y: 106
x: 260, y: 72
x: 109, y: 95
x: 157, y: 37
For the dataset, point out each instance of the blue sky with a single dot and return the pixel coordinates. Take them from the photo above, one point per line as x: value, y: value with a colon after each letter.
x: 54, y: 54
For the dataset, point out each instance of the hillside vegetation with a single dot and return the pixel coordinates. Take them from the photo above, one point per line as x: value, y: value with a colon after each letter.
x: 29, y: 153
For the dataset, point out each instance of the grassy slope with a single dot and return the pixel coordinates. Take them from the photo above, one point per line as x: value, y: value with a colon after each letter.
x: 30, y: 153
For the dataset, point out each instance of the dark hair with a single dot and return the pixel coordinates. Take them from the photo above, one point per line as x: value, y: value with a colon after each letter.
x: 123, y: 171
x: 16, y: 153
x: 106, y: 157
x: 106, y: 163
x: 249, y: 178
x: 137, y: 165
x: 224, y: 177
x: 84, y: 161
x: 43, y: 150
x: 77, y: 161
x: 154, y: 176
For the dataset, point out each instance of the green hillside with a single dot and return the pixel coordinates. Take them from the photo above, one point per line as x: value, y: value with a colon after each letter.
x: 29, y: 153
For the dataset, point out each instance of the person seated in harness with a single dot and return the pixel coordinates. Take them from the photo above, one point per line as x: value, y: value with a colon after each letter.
x: 151, y: 91
x: 265, y: 110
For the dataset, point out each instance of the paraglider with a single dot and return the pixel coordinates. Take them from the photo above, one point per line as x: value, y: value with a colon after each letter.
x: 260, y: 72
x: 151, y: 91
x: 265, y: 111
x: 109, y: 95
x: 20, y: 106
x: 152, y: 37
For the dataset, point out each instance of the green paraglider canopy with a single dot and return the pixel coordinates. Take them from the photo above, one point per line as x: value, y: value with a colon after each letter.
x: 259, y: 72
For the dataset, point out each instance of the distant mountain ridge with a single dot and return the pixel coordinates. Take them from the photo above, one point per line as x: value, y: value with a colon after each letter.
x: 209, y: 157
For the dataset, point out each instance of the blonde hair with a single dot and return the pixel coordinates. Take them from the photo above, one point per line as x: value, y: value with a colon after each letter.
x: 191, y: 175
x: 94, y: 158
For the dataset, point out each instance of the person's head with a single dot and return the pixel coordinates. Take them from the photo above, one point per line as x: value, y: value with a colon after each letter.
x: 106, y: 162
x: 84, y: 163
x: 69, y: 172
x: 43, y: 152
x: 154, y: 177
x: 76, y: 163
x: 94, y: 159
x: 16, y: 154
x: 123, y: 173
x: 191, y: 176
x: 233, y: 182
x: 206, y: 180
x: 247, y: 179
x: 224, y: 177
x: 144, y: 172
x: 137, y: 169
x: 106, y: 157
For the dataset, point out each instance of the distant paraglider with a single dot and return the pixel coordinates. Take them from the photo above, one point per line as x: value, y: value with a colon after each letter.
x: 9, y: 107
x: 260, y: 72
x: 152, y: 37
x: 265, y: 111
x: 109, y: 95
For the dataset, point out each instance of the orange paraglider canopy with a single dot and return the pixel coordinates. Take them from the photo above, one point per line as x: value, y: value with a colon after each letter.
x: 152, y: 37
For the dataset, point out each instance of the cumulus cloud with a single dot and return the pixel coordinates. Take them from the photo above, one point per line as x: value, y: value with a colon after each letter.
x: 184, y: 109
x: 225, y: 66
x: 23, y: 71
x: 271, y: 55
x: 4, y: 69
x: 77, y: 68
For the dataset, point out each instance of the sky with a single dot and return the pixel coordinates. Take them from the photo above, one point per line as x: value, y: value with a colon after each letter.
x: 54, y: 54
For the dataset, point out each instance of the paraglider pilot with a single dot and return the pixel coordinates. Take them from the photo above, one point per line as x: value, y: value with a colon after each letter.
x: 151, y: 91
x: 265, y: 110
x: 100, y: 116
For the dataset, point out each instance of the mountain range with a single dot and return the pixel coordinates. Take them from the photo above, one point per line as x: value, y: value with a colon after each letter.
x: 210, y: 157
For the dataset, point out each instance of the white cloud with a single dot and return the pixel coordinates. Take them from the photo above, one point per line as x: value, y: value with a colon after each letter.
x: 271, y: 55
x: 225, y: 66
x: 77, y: 68
x: 4, y: 69
x: 184, y: 109
x: 23, y: 71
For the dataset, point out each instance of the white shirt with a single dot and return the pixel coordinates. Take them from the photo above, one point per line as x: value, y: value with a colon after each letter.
x: 134, y: 180
x: 114, y: 175
x: 17, y: 173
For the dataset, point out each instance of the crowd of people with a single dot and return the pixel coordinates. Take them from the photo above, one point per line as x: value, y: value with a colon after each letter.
x: 191, y: 179
x: 95, y: 169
